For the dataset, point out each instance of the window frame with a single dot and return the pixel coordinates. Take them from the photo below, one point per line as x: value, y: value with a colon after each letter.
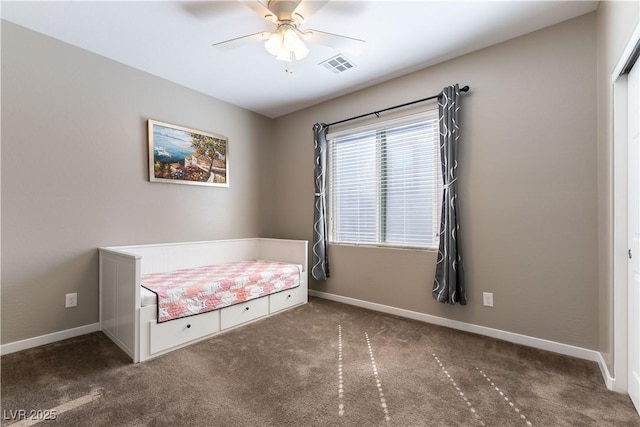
x: 380, y: 127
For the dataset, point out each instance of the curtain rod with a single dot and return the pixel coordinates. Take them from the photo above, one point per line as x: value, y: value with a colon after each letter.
x: 377, y: 113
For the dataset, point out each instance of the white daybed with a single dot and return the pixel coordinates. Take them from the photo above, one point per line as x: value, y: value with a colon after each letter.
x: 133, y: 326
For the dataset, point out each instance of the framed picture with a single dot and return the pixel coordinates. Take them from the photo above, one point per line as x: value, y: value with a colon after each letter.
x: 180, y: 155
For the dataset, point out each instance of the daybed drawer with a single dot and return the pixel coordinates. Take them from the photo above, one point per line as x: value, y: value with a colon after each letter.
x: 244, y: 312
x: 179, y: 331
x: 286, y: 299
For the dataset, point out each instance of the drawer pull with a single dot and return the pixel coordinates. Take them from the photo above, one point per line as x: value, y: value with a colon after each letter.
x: 246, y: 308
x: 288, y: 296
x: 189, y: 325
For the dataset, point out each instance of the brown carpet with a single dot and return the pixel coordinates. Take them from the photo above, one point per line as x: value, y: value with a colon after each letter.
x: 322, y: 364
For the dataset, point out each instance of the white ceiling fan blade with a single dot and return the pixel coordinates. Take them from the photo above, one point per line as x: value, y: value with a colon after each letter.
x: 261, y: 9
x: 307, y: 8
x: 241, y: 41
x: 343, y: 43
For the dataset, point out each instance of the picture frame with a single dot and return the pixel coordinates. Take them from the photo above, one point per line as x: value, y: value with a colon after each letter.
x: 180, y: 155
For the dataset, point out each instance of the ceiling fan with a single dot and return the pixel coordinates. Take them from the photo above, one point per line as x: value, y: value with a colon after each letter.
x: 286, y: 42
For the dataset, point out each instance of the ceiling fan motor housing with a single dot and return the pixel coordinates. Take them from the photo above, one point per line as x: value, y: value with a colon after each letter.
x: 283, y: 9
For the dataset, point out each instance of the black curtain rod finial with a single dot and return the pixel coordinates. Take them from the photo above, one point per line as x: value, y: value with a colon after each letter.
x: 464, y: 89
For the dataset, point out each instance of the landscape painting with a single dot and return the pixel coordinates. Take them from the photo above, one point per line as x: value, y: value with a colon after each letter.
x: 186, y: 156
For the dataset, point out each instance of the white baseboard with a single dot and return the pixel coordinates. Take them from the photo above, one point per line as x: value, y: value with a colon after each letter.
x: 609, y: 380
x: 539, y: 343
x: 12, y: 347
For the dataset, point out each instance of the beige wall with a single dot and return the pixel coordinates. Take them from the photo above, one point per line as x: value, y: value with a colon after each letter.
x: 616, y: 22
x: 75, y: 175
x: 528, y: 188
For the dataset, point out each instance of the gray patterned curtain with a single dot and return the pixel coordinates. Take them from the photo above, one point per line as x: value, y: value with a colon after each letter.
x: 448, y: 285
x: 320, y: 254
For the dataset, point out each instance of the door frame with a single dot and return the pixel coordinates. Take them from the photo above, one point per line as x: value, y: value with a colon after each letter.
x: 619, y: 176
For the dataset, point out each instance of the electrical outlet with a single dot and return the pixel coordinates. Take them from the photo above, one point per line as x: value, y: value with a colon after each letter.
x: 71, y: 300
x: 487, y: 299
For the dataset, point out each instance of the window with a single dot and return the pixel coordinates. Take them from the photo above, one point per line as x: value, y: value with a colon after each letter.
x: 385, y: 184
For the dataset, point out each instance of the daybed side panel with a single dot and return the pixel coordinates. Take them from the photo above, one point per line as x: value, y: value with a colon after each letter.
x: 294, y: 252
x: 119, y: 299
x: 291, y: 251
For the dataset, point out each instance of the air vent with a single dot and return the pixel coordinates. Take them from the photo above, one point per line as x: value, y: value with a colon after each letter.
x: 338, y: 64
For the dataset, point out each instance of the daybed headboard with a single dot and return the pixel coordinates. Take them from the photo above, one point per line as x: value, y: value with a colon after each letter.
x: 172, y: 256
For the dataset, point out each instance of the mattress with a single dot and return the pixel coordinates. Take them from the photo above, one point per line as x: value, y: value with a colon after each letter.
x: 187, y: 292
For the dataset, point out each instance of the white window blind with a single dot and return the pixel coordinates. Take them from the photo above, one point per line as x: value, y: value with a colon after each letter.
x: 385, y: 184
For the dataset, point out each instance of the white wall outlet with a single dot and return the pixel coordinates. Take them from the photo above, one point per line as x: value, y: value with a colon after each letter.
x: 487, y: 299
x: 71, y: 300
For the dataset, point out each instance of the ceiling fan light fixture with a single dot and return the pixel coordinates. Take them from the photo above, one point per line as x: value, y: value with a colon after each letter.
x: 284, y: 55
x: 290, y: 39
x: 274, y: 44
x: 300, y: 50
x: 286, y: 45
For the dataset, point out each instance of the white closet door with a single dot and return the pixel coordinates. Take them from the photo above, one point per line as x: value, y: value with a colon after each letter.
x: 634, y: 236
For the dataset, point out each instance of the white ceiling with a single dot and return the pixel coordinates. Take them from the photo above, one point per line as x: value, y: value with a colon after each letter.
x: 173, y: 40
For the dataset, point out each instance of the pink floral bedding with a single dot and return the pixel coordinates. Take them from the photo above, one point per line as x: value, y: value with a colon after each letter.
x: 190, y: 291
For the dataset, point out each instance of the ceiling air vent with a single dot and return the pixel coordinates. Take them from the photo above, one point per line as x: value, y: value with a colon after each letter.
x: 338, y: 64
